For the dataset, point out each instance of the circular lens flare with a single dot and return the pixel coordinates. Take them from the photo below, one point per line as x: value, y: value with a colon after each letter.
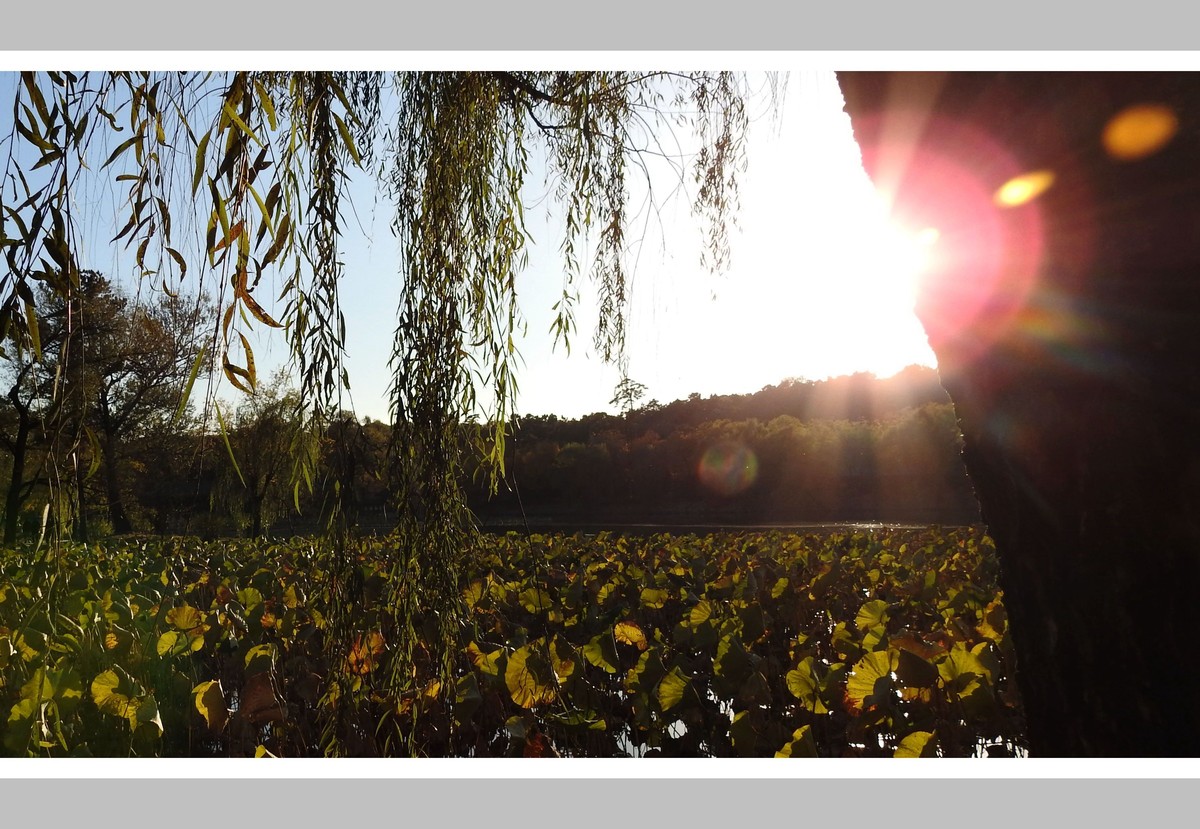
x: 1024, y: 188
x: 980, y: 260
x: 728, y: 468
x: 1138, y: 131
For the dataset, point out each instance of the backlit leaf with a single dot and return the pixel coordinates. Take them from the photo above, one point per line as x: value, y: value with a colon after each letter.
x: 802, y: 744
x: 260, y: 658
x: 871, y: 614
x: 535, y: 600
x: 486, y: 663
x: 185, y: 617
x: 654, y: 598
x: 115, y: 693
x: 209, y: 700
x: 917, y: 744
x: 629, y: 633
x: 171, y: 643
x: 870, y: 681
x: 528, y: 678
x: 805, y: 684
x: 601, y: 651
x: 700, y: 612
x: 672, y: 689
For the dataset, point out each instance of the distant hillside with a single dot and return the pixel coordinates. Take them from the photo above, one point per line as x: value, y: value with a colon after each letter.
x: 852, y: 448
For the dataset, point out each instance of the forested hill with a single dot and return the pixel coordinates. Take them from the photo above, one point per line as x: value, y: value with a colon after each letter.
x: 847, y: 449
x: 853, y: 448
x: 859, y: 396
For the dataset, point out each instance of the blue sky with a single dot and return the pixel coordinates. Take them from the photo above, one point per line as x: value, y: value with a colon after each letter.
x: 811, y: 293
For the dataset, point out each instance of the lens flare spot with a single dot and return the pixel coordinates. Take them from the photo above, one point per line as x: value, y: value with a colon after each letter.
x: 1024, y: 188
x: 728, y: 468
x: 928, y: 237
x: 1139, y: 131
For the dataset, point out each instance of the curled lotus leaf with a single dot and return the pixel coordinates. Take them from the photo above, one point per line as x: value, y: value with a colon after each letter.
x: 529, y: 678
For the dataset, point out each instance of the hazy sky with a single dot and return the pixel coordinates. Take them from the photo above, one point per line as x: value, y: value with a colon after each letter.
x: 816, y: 287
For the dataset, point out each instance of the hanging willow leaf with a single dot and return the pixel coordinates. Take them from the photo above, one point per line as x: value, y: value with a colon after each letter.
x: 347, y: 139
x: 233, y: 373
x: 258, y: 313
x: 236, y: 119
x: 200, y: 167
x: 251, y: 374
x: 228, y: 447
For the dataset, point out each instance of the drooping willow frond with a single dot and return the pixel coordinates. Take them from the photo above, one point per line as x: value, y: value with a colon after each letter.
x: 256, y: 165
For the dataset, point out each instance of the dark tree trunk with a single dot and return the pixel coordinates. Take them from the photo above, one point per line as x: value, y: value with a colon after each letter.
x: 1067, y: 331
x: 112, y: 485
x: 16, y: 485
x: 254, y: 507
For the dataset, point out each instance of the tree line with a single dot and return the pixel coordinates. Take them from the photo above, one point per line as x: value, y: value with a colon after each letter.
x: 848, y: 448
x: 852, y: 448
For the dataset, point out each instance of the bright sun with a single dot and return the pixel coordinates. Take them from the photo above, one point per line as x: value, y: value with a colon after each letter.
x: 838, y: 283
x: 822, y: 282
